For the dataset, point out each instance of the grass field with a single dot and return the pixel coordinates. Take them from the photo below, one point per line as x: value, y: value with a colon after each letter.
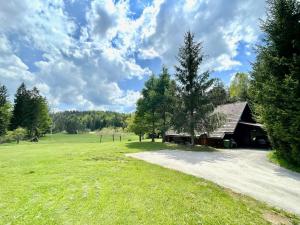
x: 74, y: 179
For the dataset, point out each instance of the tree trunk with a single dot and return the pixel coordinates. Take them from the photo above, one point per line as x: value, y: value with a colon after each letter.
x: 164, y: 128
x: 153, y: 129
x: 140, y: 137
x: 152, y: 135
x: 192, y: 130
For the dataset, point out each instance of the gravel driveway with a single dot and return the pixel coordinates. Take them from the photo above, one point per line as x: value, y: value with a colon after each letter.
x: 244, y: 171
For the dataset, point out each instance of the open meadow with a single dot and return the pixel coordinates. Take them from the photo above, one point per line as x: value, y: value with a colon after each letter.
x: 74, y: 179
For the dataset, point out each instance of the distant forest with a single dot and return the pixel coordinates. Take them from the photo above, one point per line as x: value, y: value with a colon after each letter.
x: 80, y: 121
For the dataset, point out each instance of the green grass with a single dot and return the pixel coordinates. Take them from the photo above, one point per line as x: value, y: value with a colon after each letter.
x: 273, y: 157
x: 74, y: 179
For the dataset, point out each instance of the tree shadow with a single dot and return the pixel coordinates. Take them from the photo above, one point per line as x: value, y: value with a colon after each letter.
x: 154, y: 146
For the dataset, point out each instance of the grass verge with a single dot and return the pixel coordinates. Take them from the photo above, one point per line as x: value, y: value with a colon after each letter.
x: 274, y: 158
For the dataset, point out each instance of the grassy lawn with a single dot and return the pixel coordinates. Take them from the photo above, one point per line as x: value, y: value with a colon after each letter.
x: 273, y: 157
x: 74, y: 179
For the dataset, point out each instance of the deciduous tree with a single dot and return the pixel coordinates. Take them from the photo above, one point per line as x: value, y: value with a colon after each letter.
x: 238, y: 89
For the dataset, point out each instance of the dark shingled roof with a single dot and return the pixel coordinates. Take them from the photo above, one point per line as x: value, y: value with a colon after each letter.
x: 232, y: 113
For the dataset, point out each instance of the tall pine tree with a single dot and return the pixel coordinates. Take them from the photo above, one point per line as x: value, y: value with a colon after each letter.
x: 195, y: 105
x: 275, y: 86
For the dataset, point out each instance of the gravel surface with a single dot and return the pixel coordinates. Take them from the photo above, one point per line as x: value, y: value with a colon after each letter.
x: 244, y: 171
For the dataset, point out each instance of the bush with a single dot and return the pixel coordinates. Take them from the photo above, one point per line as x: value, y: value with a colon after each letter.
x: 19, y: 134
x: 15, y: 135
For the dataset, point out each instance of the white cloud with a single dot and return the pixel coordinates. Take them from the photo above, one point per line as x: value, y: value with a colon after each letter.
x: 219, y: 24
x: 84, y: 72
x: 225, y: 63
x: 13, y: 70
x: 128, y: 99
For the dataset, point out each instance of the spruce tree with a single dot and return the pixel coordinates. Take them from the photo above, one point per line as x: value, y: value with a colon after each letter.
x: 275, y: 86
x: 20, y: 108
x: 165, y: 89
x: 194, y: 105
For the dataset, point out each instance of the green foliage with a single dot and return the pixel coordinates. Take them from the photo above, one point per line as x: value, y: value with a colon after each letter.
x: 277, y: 159
x: 5, y: 113
x: 8, y: 137
x: 239, y: 85
x: 19, y: 134
x: 137, y: 125
x: 275, y: 86
x: 218, y: 95
x: 31, y: 112
x: 147, y: 106
x: 194, y: 105
x: 155, y: 108
x: 88, y: 120
x: 165, y: 90
x: 20, y: 108
x: 73, y: 125
x: 15, y: 135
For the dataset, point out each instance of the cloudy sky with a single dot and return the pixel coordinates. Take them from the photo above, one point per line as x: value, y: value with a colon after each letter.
x: 97, y: 54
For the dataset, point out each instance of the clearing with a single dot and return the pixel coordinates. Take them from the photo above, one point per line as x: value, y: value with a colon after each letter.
x: 74, y: 179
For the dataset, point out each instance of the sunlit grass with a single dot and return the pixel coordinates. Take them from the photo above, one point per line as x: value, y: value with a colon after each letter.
x: 74, y: 179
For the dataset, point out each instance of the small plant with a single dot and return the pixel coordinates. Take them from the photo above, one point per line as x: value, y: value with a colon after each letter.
x: 19, y: 134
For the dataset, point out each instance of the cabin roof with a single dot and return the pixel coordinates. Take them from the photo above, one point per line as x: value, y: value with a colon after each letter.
x: 233, y: 113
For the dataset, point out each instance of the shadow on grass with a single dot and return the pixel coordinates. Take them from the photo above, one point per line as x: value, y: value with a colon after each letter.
x: 154, y: 146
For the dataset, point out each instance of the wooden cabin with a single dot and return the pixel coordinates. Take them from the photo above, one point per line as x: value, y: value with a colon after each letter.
x: 239, y: 126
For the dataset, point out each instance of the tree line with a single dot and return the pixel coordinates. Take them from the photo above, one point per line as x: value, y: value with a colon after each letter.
x: 74, y: 122
x: 28, y: 117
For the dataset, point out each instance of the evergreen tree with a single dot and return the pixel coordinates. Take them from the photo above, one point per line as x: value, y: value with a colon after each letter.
x: 275, y: 86
x: 4, y: 110
x: 195, y: 105
x: 20, y: 108
x: 218, y: 94
x: 147, y: 106
x: 31, y: 112
x: 165, y: 89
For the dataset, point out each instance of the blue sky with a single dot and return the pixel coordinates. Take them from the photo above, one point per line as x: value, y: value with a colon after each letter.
x: 97, y: 54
